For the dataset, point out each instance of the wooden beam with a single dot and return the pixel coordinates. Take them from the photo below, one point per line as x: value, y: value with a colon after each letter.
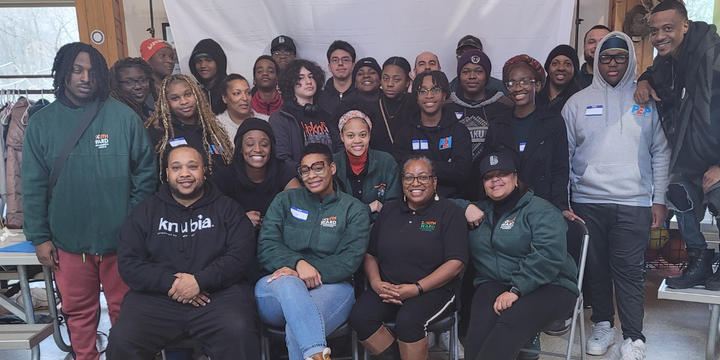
x: 644, y: 50
x: 103, y: 20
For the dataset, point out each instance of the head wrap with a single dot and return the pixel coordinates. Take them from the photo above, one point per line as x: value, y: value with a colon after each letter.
x: 476, y: 57
x: 353, y: 114
x: 527, y: 61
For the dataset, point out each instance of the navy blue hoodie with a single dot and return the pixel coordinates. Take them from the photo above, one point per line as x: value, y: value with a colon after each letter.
x: 211, y: 239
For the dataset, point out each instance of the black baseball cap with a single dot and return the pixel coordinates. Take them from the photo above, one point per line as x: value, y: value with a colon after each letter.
x: 498, y: 161
x: 283, y: 40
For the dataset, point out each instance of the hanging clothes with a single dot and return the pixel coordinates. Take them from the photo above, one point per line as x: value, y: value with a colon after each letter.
x: 10, y: 173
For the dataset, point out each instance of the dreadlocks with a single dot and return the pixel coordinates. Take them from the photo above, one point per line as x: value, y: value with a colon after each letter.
x: 161, y: 119
x: 63, y: 66
x: 116, y: 91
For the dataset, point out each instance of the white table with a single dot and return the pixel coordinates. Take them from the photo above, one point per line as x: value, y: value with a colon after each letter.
x: 21, y: 260
x: 702, y: 296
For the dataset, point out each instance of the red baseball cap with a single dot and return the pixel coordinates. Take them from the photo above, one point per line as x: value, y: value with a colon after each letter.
x: 149, y: 47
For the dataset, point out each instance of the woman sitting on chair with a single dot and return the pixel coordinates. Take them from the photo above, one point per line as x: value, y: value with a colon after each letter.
x: 525, y: 277
x: 312, y: 240
x: 417, y: 249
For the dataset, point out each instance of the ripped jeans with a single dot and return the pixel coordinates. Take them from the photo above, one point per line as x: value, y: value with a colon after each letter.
x: 685, y: 196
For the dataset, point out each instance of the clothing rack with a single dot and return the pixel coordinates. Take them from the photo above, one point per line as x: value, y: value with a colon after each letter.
x: 25, y: 92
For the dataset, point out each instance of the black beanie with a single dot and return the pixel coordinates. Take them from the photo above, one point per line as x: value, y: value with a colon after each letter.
x: 369, y: 62
x: 568, y: 51
x: 476, y: 57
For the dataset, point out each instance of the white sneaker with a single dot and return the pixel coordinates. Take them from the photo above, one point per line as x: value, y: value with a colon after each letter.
x: 631, y: 350
x: 445, y: 344
x: 431, y: 339
x: 602, y: 338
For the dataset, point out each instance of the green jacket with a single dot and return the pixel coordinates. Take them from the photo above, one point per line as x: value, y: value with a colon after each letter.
x: 331, y: 235
x: 526, y: 248
x: 110, y: 170
x: 382, y: 182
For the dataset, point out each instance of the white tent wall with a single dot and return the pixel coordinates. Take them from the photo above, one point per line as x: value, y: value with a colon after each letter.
x: 377, y: 28
x: 405, y: 26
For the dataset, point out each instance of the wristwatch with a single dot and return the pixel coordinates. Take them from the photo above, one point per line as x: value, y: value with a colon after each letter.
x: 515, y: 291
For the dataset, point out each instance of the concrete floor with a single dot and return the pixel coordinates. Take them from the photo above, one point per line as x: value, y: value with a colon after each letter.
x: 674, y: 330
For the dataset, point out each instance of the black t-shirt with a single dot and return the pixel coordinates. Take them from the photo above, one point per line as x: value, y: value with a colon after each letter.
x: 251, y: 199
x: 411, y: 244
x: 356, y: 181
x: 522, y: 128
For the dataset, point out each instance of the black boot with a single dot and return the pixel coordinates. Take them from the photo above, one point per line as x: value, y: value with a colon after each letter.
x: 699, y: 269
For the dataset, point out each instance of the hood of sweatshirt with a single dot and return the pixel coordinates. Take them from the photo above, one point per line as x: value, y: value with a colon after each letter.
x: 493, y: 98
x: 212, y: 48
x: 210, y: 194
x: 628, y: 80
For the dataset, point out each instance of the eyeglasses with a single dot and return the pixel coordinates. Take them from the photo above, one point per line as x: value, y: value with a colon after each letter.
x: 283, y: 52
x: 129, y: 84
x: 318, y: 168
x: 423, y: 179
x: 435, y: 90
x: 619, y: 58
x: 523, y: 83
x: 345, y: 60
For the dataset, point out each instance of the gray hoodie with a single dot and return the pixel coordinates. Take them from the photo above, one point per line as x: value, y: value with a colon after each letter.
x: 618, y: 151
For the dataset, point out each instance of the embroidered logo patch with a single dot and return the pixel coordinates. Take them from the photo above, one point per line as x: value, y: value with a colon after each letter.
x: 381, y: 189
x: 458, y: 114
x: 102, y: 141
x: 493, y: 160
x: 507, y: 224
x: 330, y: 222
x: 641, y: 110
x: 428, y: 225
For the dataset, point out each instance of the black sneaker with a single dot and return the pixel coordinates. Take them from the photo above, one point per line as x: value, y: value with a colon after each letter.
x: 533, y: 344
x: 697, y: 272
x: 713, y: 282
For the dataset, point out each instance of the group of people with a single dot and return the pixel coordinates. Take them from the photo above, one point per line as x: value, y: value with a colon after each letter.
x: 207, y: 208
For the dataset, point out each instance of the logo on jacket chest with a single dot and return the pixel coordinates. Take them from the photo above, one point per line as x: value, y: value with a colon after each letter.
x: 507, y: 224
x: 381, y: 189
x: 174, y: 228
x: 102, y: 141
x: 330, y: 221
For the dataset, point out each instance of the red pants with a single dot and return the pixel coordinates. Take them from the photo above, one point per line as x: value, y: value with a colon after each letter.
x: 79, y: 284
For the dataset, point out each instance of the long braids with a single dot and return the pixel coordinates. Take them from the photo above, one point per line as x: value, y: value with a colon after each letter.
x: 161, y: 119
x: 116, y: 91
x: 63, y: 67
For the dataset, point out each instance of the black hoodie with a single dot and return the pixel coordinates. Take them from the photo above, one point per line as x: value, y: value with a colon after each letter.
x: 214, y: 92
x: 211, y: 239
x: 448, y: 145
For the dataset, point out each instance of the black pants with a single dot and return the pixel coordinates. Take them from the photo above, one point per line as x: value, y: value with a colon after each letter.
x: 411, y: 318
x: 616, y: 255
x: 493, y: 337
x: 227, y: 326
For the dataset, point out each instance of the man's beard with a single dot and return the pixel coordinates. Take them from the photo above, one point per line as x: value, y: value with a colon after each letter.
x: 589, y: 59
x: 189, y: 196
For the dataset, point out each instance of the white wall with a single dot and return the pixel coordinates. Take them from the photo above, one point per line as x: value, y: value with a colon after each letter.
x: 137, y: 20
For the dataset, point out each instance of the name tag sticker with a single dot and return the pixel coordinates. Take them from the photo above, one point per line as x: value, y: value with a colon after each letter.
x: 299, y: 213
x: 178, y: 141
x: 445, y: 143
x: 522, y: 146
x: 594, y: 110
x: 420, y: 145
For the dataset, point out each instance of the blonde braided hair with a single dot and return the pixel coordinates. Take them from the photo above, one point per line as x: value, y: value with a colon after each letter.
x: 161, y: 119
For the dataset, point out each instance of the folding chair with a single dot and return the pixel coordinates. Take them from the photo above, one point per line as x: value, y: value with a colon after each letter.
x: 268, y: 333
x: 577, y: 245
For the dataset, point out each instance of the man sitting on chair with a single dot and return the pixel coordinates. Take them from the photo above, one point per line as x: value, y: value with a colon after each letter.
x: 184, y: 253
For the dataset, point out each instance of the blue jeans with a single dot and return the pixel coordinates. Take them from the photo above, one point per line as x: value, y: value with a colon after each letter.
x: 308, y: 315
x: 685, y: 196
